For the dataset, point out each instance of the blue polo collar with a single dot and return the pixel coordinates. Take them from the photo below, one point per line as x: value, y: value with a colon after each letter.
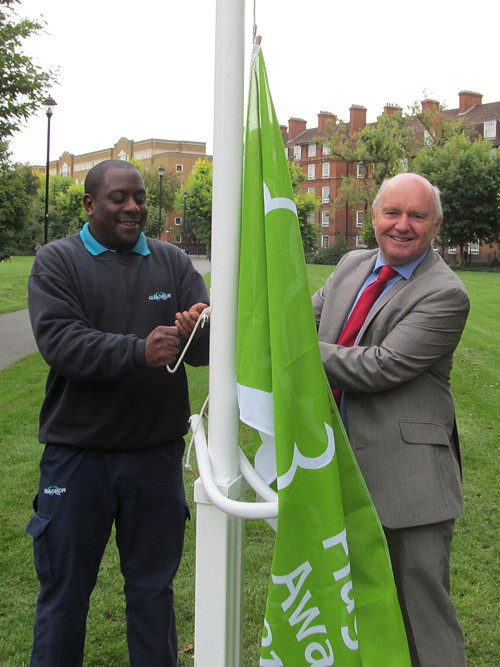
x: 95, y: 248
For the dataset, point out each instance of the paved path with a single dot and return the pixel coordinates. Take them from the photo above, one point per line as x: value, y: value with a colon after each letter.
x: 16, y: 337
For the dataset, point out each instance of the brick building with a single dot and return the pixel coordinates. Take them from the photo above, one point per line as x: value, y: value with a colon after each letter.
x: 178, y: 156
x: 174, y: 156
x: 324, y: 174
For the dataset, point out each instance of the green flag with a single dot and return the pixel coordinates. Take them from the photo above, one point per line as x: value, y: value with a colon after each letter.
x: 332, y: 598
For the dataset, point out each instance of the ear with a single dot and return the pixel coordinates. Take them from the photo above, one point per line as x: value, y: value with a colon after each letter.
x: 88, y: 203
x: 437, y: 225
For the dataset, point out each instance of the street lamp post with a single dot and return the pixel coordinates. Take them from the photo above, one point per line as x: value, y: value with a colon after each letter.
x: 161, y: 173
x: 49, y: 103
x: 184, y: 221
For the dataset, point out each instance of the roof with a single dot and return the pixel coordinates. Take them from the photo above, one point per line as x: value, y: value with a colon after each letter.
x: 476, y: 115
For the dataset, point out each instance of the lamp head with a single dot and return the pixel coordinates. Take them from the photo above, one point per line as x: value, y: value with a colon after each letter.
x: 49, y: 104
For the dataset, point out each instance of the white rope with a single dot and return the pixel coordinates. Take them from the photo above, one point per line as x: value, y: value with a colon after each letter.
x: 202, y: 320
x: 194, y: 428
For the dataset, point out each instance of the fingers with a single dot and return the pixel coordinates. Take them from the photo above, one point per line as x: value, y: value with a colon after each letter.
x: 186, y: 321
x: 162, y: 346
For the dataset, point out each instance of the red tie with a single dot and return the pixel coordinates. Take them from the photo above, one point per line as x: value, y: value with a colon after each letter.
x: 358, y: 315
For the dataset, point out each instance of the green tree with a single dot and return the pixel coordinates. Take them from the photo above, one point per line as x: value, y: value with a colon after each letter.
x: 197, y: 223
x: 23, y: 84
x: 66, y: 212
x: 384, y: 148
x: 18, y: 187
x: 439, y: 127
x: 171, y: 183
x: 467, y: 173
x: 307, y: 205
x: 68, y: 204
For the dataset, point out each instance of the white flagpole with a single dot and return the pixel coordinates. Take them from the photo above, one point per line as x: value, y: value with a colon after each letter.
x: 219, y: 537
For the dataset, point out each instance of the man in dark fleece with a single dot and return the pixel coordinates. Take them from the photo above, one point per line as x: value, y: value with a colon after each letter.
x: 109, y: 309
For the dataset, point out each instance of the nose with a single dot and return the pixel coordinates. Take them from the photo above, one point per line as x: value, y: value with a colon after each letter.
x: 131, y: 204
x: 403, y: 222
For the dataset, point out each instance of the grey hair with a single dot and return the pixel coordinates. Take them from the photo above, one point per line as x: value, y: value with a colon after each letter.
x: 436, y: 194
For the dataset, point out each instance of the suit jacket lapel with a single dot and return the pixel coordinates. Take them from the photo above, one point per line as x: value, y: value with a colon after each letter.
x: 428, y: 261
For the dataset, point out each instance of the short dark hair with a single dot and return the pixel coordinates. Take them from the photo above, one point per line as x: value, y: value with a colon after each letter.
x: 96, y: 175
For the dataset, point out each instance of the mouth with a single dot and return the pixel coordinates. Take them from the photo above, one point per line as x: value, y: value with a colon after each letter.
x: 401, y: 239
x: 129, y: 223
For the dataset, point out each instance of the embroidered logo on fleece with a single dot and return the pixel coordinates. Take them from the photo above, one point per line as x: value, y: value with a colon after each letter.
x: 54, y: 490
x: 159, y: 296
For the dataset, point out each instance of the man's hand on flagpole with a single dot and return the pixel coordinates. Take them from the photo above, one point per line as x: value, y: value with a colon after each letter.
x: 186, y: 321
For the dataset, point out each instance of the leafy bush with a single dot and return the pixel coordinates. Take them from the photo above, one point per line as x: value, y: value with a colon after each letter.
x: 329, y: 255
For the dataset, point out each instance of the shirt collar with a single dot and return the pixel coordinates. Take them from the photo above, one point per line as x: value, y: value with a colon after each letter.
x: 95, y: 248
x: 405, y: 270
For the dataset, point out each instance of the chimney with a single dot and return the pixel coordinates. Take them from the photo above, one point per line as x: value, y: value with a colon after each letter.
x: 284, y: 133
x: 295, y: 127
x: 430, y: 106
x: 468, y: 99
x: 391, y: 109
x: 326, y: 121
x: 357, y: 118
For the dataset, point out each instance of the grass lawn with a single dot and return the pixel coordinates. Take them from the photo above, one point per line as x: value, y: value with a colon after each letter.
x: 475, y: 564
x: 14, y: 284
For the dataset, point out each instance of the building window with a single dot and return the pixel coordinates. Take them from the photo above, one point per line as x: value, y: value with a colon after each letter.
x: 143, y: 155
x: 324, y: 242
x: 360, y: 169
x: 452, y: 251
x: 490, y: 129
x: 311, y: 171
x: 297, y: 152
x: 311, y: 150
x: 122, y: 156
x: 359, y: 242
x: 325, y: 218
x: 179, y: 167
x: 65, y: 170
x: 177, y: 238
x: 326, y: 169
x: 359, y: 218
x: 325, y: 195
x: 427, y: 138
x: 326, y: 149
x: 474, y: 248
x: 311, y: 191
x: 178, y: 220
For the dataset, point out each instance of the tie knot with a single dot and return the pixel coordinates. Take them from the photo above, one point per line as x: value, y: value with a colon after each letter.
x: 386, y: 273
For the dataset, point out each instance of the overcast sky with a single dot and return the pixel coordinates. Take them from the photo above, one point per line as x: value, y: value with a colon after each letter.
x: 144, y: 69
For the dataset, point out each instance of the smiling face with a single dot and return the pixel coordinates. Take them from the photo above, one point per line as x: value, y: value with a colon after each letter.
x: 404, y: 219
x: 118, y: 210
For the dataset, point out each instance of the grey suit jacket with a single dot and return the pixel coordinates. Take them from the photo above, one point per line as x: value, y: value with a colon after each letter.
x: 400, y: 412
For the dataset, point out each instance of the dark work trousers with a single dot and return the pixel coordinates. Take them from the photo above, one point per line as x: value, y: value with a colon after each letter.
x: 420, y: 558
x: 81, y: 494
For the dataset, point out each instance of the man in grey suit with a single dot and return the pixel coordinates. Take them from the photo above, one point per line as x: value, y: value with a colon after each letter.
x: 397, y: 406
